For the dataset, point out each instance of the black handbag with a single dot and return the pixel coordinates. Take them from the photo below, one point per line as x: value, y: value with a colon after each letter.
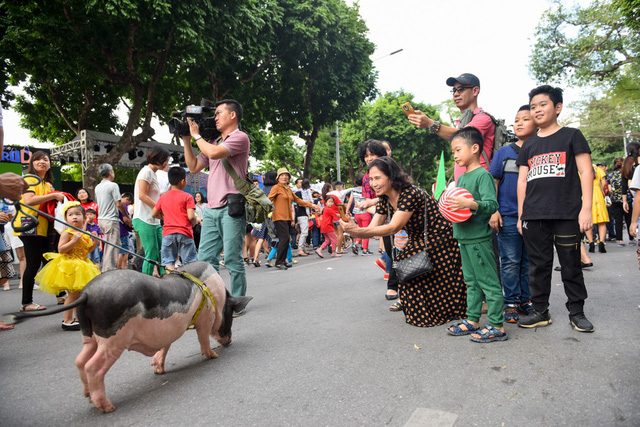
x: 414, y: 265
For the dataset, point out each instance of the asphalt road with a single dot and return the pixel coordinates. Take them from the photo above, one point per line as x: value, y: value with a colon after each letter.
x: 319, y: 347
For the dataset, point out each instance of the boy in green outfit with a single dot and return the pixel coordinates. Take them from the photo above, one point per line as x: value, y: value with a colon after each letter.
x: 474, y: 236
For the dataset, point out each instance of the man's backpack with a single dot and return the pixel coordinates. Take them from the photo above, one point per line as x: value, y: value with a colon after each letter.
x: 501, y: 136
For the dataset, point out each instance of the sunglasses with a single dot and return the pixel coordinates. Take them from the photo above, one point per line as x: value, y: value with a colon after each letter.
x: 460, y: 89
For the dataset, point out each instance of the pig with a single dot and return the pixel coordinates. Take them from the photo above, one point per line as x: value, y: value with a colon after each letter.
x: 126, y: 310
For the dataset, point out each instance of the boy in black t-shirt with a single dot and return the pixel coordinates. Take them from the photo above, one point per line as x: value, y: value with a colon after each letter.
x: 555, y: 186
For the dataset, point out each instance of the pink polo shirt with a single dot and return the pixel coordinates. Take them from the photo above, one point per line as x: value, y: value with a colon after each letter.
x: 486, y: 127
x: 219, y: 183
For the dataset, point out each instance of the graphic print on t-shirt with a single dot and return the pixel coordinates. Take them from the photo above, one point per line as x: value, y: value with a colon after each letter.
x: 547, y: 165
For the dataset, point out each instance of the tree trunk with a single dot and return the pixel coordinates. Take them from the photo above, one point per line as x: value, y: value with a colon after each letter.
x: 310, y: 142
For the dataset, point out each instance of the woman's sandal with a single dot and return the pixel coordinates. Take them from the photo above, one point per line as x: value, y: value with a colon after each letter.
x: 37, y: 307
x: 490, y: 334
x: 396, y: 306
x: 457, y: 331
x: 391, y: 296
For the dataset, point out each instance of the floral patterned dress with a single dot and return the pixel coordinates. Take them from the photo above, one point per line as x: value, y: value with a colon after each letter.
x: 439, y: 296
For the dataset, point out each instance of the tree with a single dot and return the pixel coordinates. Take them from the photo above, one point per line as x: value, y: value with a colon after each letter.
x: 584, y: 45
x: 605, y: 123
x: 630, y: 9
x: 81, y: 60
x: 324, y: 73
x: 416, y: 150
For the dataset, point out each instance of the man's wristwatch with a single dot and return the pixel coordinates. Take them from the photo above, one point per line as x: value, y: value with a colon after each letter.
x: 197, y: 137
x: 435, y: 127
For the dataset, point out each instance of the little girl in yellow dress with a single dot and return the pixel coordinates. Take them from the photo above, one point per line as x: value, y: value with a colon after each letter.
x: 70, y: 269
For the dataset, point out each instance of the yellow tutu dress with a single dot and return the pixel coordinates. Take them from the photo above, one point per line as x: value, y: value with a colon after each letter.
x: 599, y: 207
x: 70, y: 271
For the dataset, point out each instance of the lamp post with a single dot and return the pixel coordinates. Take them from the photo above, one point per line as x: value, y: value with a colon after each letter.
x: 388, y: 54
x: 337, y: 135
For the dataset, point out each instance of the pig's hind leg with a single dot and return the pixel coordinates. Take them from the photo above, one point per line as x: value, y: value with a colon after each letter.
x: 88, y: 350
x: 158, y: 360
x: 96, y: 368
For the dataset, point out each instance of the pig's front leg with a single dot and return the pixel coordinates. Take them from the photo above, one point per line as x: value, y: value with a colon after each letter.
x: 88, y: 350
x: 158, y: 360
x: 205, y: 343
x: 96, y: 368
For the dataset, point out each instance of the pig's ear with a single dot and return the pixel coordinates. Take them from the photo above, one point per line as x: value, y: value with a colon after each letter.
x: 239, y: 303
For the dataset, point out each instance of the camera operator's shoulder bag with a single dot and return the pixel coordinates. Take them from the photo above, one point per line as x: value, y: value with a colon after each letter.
x: 418, y: 264
x: 257, y: 205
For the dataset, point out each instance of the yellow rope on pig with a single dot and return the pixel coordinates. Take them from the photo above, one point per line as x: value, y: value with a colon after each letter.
x: 206, y: 295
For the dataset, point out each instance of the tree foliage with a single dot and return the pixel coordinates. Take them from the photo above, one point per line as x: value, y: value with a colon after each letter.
x: 298, y: 65
x: 583, y: 45
x: 608, y: 123
x: 416, y: 150
x: 324, y: 74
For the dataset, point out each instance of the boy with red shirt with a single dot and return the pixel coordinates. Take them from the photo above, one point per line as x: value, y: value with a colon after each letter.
x: 177, y: 209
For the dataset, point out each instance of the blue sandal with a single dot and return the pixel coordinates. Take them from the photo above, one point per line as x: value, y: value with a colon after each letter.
x: 457, y: 331
x: 490, y: 334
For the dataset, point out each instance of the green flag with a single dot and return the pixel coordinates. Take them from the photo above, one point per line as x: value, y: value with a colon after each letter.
x: 441, y: 180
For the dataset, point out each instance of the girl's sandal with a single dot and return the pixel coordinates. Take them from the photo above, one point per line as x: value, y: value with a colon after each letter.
x: 396, y: 306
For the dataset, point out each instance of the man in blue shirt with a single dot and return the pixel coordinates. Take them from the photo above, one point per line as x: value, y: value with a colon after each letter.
x: 514, y: 262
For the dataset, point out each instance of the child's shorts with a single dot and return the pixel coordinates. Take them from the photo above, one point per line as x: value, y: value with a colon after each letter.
x: 175, y: 244
x: 94, y: 256
x: 125, y: 244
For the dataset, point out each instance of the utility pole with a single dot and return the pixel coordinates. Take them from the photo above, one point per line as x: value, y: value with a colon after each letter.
x: 624, y: 138
x: 338, y: 149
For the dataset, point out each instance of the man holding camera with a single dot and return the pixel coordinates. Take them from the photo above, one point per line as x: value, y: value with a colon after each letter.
x: 465, y: 90
x: 223, y: 225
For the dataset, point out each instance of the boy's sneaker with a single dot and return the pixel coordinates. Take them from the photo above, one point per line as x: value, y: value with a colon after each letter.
x: 525, y: 308
x: 381, y: 264
x: 580, y: 323
x: 535, y: 319
x: 386, y: 276
x: 366, y: 252
x: 354, y: 249
x: 511, y: 313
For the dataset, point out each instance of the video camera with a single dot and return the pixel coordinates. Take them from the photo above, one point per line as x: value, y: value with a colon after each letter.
x: 178, y: 124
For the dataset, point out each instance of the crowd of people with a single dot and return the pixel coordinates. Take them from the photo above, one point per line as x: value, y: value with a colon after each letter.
x: 530, y: 197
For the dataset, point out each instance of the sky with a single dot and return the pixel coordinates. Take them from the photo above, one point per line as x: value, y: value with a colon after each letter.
x: 491, y: 39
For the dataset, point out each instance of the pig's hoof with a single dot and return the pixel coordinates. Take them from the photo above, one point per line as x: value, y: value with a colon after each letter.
x: 158, y: 368
x: 158, y: 365
x: 105, y: 406
x: 211, y: 354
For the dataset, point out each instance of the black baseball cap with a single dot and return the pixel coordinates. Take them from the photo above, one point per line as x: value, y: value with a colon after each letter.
x: 601, y: 164
x: 465, y: 79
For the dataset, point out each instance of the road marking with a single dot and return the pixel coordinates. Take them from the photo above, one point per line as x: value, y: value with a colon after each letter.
x: 426, y: 417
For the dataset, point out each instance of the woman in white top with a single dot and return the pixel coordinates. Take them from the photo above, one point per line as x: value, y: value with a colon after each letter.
x: 201, y: 203
x: 146, y: 194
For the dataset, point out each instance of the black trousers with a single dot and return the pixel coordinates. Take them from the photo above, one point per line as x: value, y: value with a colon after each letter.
x: 393, y: 281
x: 34, y: 248
x: 282, y: 231
x: 539, y: 238
x: 618, y: 214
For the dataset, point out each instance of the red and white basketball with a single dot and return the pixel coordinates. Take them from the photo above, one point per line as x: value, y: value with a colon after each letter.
x: 460, y: 215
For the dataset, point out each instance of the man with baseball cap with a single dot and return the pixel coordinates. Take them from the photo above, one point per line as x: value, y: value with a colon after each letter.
x: 465, y: 90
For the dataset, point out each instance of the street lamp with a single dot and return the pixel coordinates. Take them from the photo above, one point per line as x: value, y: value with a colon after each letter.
x: 337, y: 135
x: 389, y: 54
